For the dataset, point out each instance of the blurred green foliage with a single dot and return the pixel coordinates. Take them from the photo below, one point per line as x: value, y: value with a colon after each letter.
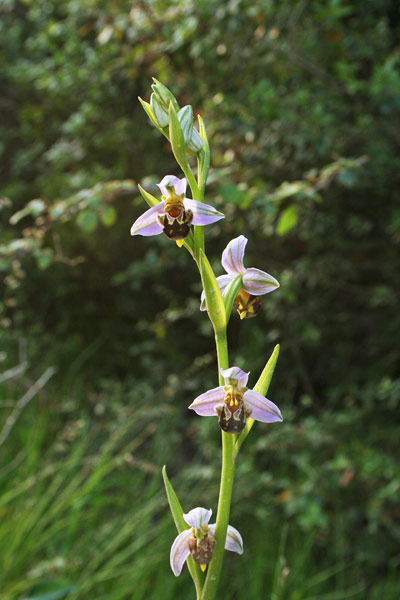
x: 301, y: 103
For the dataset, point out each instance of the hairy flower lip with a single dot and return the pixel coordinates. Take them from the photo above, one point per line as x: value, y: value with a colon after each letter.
x: 149, y: 224
x: 200, y: 516
x: 254, y: 281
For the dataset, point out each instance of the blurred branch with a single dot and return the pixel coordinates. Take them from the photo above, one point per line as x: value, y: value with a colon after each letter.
x: 13, y: 372
x: 24, y: 401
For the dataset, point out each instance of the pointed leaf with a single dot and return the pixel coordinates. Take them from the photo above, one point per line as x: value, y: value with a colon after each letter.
x: 261, y: 387
x: 264, y: 380
x: 148, y: 198
x: 230, y: 294
x: 177, y: 140
x: 149, y: 112
x: 215, y: 303
x: 181, y: 525
x: 203, y: 156
x: 179, y: 149
x: 174, y: 503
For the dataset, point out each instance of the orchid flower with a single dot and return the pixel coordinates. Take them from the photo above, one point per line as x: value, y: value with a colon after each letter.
x: 255, y: 282
x: 199, y: 541
x: 175, y: 213
x: 233, y: 403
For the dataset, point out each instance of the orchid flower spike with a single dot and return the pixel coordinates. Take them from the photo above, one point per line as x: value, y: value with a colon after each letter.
x: 199, y: 541
x: 175, y: 213
x: 233, y: 403
x: 255, y: 282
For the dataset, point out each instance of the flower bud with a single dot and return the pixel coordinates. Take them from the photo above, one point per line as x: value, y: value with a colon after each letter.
x: 195, y: 143
x: 185, y: 117
x: 160, y: 114
x: 164, y: 95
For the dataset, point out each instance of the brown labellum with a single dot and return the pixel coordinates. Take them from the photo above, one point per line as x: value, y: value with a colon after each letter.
x: 175, y: 230
x: 176, y: 225
x: 231, y: 421
x: 248, y: 306
x: 203, y: 552
x: 232, y: 414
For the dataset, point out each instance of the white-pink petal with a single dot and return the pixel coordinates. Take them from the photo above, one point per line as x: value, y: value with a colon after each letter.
x: 147, y: 224
x: 179, y: 185
x: 197, y: 517
x: 205, y: 404
x: 203, y: 214
x: 223, y: 282
x: 232, y: 256
x: 262, y: 409
x: 180, y: 551
x: 258, y: 283
x: 235, y: 376
x: 233, y: 541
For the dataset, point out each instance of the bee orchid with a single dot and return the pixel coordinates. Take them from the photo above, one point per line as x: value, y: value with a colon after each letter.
x: 175, y: 213
x: 199, y: 541
x: 255, y: 282
x: 233, y: 403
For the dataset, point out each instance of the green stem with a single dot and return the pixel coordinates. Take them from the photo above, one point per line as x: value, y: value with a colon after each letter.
x: 224, y: 505
x: 225, y: 492
x: 228, y: 457
x: 222, y: 354
x: 197, y: 194
x: 198, y: 241
x: 192, y: 182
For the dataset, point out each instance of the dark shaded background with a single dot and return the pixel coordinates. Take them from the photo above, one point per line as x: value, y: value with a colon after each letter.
x: 301, y: 102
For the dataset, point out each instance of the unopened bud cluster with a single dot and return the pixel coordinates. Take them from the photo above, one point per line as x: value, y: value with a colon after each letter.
x: 158, y: 111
